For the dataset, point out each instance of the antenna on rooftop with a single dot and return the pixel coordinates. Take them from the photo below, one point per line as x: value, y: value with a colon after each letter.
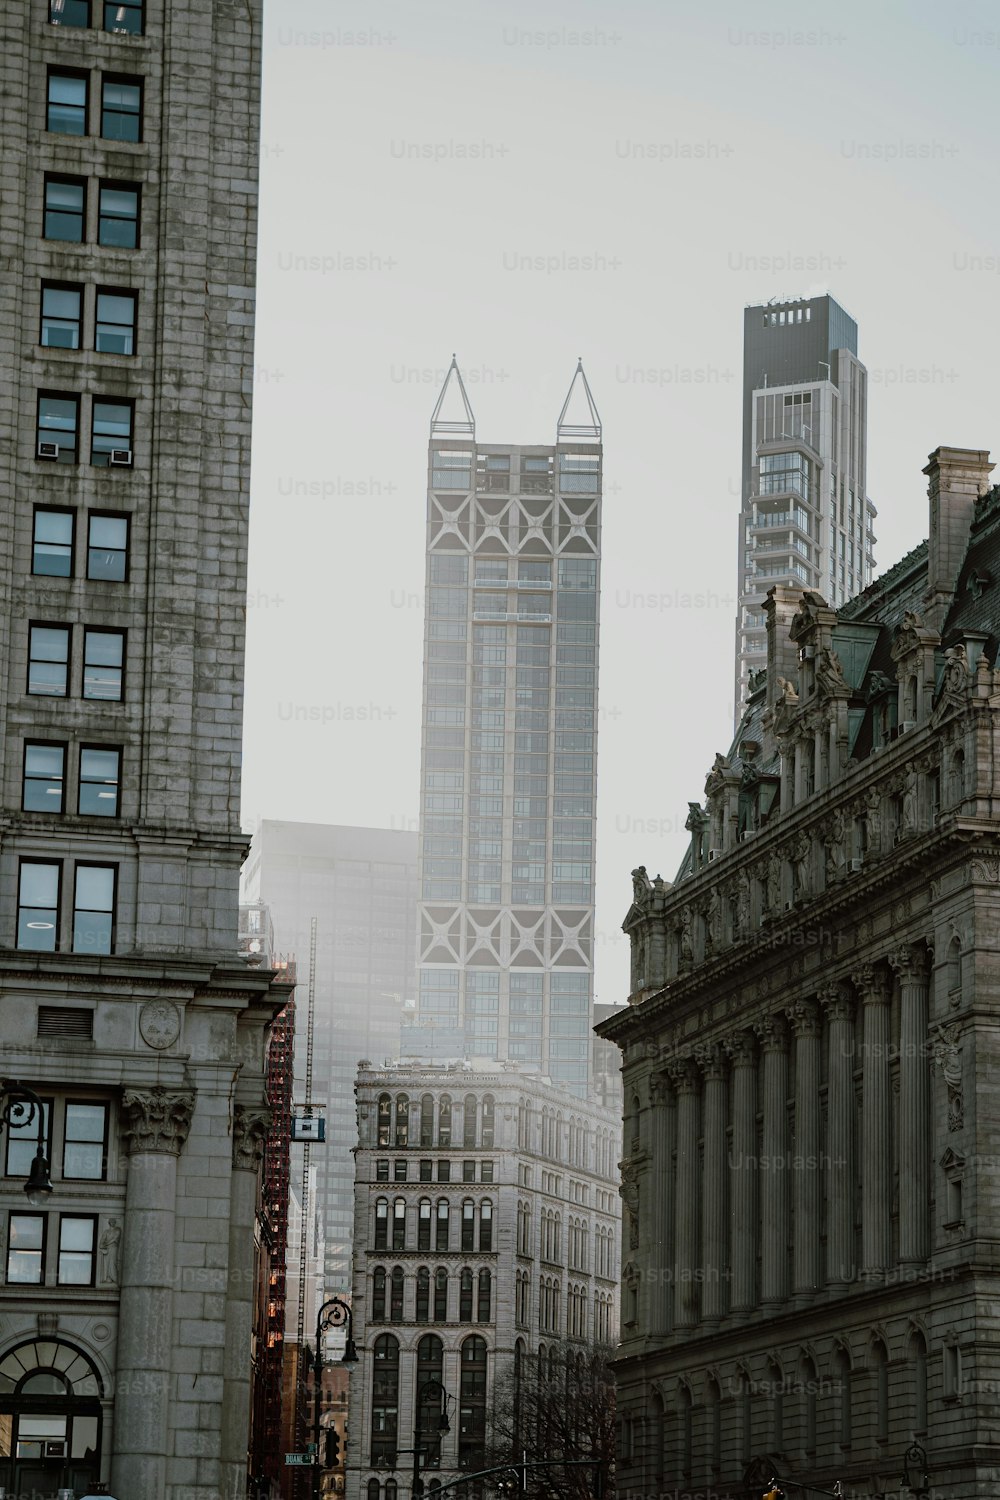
x: 574, y: 424
x: 453, y: 420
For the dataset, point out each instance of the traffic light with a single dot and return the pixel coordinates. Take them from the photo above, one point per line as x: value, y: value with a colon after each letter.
x: 332, y: 1448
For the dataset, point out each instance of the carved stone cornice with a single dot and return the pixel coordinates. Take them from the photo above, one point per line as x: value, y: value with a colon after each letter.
x: 804, y: 1018
x: 872, y: 984
x: 250, y: 1127
x: 155, y: 1121
x: 837, y: 1001
x: 910, y: 963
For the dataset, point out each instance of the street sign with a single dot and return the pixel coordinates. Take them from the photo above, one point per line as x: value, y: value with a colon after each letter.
x: 299, y: 1458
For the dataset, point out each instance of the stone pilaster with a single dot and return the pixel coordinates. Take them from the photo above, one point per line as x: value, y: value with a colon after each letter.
x: 743, y: 1173
x: 910, y: 964
x: 773, y: 1035
x: 249, y: 1138
x: 872, y: 985
x: 684, y: 1076
x: 837, y: 1003
x: 714, y: 1227
x: 806, y: 1272
x: 661, y: 1205
x: 154, y: 1127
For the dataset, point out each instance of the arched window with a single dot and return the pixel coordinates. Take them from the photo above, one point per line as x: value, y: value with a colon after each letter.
x: 444, y: 1120
x: 396, y: 1298
x: 373, y: 1489
x: 423, y: 1305
x: 424, y: 1224
x: 385, y: 1399
x: 429, y: 1402
x: 384, y: 1120
x: 472, y: 1404
x: 469, y: 1122
x: 378, y: 1295
x: 402, y: 1135
x: 842, y: 1389
x: 918, y: 1359
x: 880, y: 1367
x: 382, y: 1224
x: 468, y: 1224
x: 489, y: 1122
x: 50, y: 1417
x: 465, y: 1296
x: 391, y: 1489
x: 486, y: 1224
x: 427, y: 1120
x: 398, y: 1224
x: 483, y: 1308
x: 441, y: 1230
x: 441, y: 1295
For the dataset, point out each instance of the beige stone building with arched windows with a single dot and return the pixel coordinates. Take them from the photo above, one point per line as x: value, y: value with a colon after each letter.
x: 487, y: 1224
x: 810, y: 1056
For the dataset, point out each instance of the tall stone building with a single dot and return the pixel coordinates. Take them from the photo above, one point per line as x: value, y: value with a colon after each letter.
x: 508, y: 775
x: 810, y: 1273
x: 487, y: 1227
x: 805, y: 517
x: 360, y: 884
x: 127, y: 236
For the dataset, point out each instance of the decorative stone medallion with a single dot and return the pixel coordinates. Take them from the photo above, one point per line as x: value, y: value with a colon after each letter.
x: 159, y: 1024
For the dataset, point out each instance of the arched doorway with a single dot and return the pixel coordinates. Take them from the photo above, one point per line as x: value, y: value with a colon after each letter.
x: 50, y: 1420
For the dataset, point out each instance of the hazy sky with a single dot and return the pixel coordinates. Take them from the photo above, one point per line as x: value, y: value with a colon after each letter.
x: 523, y: 183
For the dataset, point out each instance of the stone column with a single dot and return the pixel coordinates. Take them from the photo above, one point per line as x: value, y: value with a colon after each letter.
x: 773, y: 1036
x: 661, y: 1205
x: 743, y: 1173
x: 249, y: 1136
x: 876, y: 1121
x: 154, y: 1127
x: 684, y: 1076
x: 837, y: 1003
x: 910, y: 964
x: 806, y: 1273
x: 714, y: 1229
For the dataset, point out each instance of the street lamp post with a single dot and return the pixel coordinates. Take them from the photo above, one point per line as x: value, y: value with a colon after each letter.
x: 429, y: 1388
x: 20, y: 1107
x: 335, y: 1313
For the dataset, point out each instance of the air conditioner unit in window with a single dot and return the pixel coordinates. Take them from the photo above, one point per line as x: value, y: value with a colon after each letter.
x: 48, y: 450
x: 906, y: 725
x: 854, y: 865
x: 121, y: 458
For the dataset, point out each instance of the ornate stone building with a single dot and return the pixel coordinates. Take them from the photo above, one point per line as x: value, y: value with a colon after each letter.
x: 487, y: 1226
x: 128, y: 241
x: 810, y: 1055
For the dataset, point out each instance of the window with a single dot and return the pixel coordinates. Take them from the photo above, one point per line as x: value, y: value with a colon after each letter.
x: 66, y: 112
x: 444, y: 1171
x: 399, y: 1171
x: 124, y: 16
x: 402, y: 1121
x: 61, y: 313
x: 94, y: 909
x: 441, y: 1295
x: 485, y: 1297
x: 76, y: 1250
x: 383, y: 1118
x: 382, y: 1224
x: 430, y: 1409
x: 441, y: 1232
x: 114, y: 331
x: 22, y: 1142
x: 52, y: 543
x: 44, y: 777
x: 423, y: 1304
x: 381, y: 1171
x: 468, y: 1171
x: 396, y: 1296
x: 64, y: 209
x: 399, y: 1224
x: 58, y: 425
x: 378, y: 1295
x: 48, y: 661
x: 38, y: 905
x: 385, y: 1399
x: 121, y: 108
x: 489, y: 1117
x: 472, y: 1404
x: 468, y: 1224
x: 427, y: 1120
x: 100, y: 775
x: 486, y: 1225
x: 486, y: 1171
x: 444, y: 1121
x: 104, y: 665
x: 118, y: 215
x: 85, y: 1141
x: 424, y: 1212
x: 107, y: 547
x: 26, y: 1249
x: 465, y: 1296
x: 111, y: 433
x: 426, y: 1170
x: 469, y: 1122
x: 69, y: 12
